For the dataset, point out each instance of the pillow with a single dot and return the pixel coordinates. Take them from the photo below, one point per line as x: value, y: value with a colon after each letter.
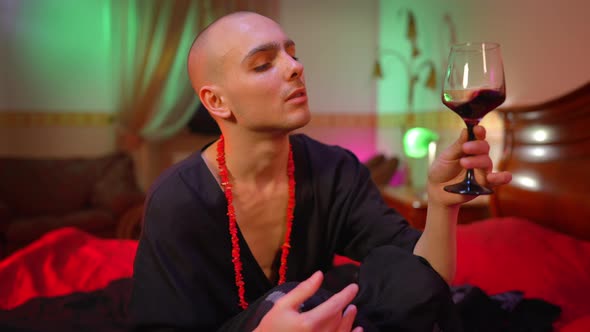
x: 504, y: 254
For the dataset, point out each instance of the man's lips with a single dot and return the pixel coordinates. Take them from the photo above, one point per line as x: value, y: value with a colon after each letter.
x: 297, y: 94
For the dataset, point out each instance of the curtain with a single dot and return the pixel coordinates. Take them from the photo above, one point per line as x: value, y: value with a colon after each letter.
x: 151, y: 43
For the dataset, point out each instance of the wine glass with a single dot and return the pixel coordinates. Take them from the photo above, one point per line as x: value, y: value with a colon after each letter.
x: 473, y: 86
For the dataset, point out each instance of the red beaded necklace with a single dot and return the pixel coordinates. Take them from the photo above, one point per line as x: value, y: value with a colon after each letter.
x: 233, y: 228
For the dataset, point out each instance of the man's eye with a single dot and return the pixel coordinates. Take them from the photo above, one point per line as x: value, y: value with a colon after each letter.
x: 295, y: 58
x: 262, y: 67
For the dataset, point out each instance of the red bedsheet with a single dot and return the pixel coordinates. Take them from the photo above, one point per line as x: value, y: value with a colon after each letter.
x: 62, y: 262
x: 497, y: 255
x: 505, y: 254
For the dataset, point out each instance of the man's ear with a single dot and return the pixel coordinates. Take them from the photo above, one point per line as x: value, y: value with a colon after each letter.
x: 214, y: 102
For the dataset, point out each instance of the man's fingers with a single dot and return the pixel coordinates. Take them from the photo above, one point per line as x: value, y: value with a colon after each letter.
x: 499, y: 178
x: 480, y: 162
x: 455, y: 151
x: 347, y: 319
x: 480, y: 132
x: 334, y: 305
x: 476, y: 147
x: 295, y: 298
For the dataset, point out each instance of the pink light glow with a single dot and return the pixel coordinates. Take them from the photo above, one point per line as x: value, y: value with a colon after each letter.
x: 361, y: 140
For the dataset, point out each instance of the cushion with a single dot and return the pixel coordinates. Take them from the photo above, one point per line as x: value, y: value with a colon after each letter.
x: 504, y: 254
x: 117, y: 189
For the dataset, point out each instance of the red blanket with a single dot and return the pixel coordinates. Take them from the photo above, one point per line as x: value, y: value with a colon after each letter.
x: 62, y: 262
x: 497, y: 255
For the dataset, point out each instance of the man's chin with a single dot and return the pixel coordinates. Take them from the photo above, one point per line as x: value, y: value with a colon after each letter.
x: 300, y: 120
x: 294, y: 120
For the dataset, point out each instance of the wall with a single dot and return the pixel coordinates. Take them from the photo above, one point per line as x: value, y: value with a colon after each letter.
x: 336, y: 42
x: 59, y: 55
x: 56, y: 91
x: 544, y: 44
x: 434, y: 30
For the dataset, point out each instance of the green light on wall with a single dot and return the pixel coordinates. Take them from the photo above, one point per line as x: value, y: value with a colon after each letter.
x: 412, y: 47
x: 61, y: 55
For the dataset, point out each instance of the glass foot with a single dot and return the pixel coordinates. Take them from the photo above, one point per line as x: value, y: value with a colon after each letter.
x: 466, y: 188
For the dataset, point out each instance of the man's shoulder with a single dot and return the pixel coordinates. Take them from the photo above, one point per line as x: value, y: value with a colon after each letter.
x: 321, y: 152
x: 171, y: 178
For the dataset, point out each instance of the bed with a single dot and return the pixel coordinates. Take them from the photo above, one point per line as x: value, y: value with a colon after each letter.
x: 537, y: 244
x: 538, y: 240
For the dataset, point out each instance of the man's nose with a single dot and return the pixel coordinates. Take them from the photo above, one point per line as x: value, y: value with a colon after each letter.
x: 294, y: 68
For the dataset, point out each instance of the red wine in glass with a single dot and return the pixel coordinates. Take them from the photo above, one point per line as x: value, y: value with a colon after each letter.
x: 474, y: 85
x: 477, y: 104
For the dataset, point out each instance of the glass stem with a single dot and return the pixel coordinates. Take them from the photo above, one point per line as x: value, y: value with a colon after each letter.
x: 470, y: 133
x: 470, y: 175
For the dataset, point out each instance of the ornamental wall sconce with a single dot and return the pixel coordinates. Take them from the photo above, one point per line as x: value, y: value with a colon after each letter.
x: 414, y: 67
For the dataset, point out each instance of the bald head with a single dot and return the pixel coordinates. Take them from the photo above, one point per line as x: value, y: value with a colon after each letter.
x: 208, y: 52
x: 245, y: 71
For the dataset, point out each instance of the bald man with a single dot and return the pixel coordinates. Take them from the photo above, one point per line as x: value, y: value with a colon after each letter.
x: 239, y: 235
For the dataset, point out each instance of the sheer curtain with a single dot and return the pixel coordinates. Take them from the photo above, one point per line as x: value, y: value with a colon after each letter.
x: 151, y: 41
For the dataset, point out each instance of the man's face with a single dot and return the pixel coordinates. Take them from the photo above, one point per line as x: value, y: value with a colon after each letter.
x: 263, y: 82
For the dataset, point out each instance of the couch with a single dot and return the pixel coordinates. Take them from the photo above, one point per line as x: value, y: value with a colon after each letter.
x: 39, y: 195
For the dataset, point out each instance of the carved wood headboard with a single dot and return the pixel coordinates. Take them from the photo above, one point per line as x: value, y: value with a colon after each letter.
x: 547, y: 149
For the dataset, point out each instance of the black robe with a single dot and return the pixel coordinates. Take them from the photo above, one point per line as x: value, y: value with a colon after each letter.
x: 183, y: 273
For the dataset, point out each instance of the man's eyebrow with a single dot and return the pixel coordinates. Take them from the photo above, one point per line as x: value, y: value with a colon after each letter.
x: 268, y: 47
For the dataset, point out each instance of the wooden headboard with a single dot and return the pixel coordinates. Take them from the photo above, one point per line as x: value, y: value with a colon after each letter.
x: 547, y: 149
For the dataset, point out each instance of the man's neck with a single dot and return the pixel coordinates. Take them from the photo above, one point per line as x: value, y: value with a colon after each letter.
x: 255, y: 161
